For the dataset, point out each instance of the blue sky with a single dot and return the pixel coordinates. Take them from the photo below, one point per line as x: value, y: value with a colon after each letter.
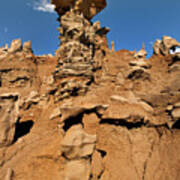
x: 131, y: 23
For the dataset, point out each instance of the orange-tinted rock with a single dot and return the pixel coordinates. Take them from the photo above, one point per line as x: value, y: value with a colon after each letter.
x: 89, y: 112
x: 9, y: 110
x: 89, y: 8
x: 77, y: 170
x: 77, y: 143
x: 165, y: 45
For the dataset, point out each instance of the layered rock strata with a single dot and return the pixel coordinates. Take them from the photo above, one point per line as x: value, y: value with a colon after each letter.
x: 81, y: 43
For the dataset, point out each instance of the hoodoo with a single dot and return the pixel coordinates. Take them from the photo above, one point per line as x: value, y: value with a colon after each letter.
x: 81, y: 44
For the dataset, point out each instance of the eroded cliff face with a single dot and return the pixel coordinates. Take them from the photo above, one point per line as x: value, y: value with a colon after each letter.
x: 89, y: 113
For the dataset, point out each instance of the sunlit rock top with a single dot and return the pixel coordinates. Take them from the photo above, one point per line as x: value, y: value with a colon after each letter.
x: 167, y: 45
x: 89, y: 8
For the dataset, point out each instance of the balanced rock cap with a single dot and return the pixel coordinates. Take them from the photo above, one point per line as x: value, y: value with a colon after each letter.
x: 89, y: 8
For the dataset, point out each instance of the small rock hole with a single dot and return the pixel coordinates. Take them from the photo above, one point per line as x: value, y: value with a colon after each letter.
x: 103, y: 153
x: 73, y: 121
x: 176, y: 125
x: 123, y: 123
x: 22, y: 128
x: 174, y: 50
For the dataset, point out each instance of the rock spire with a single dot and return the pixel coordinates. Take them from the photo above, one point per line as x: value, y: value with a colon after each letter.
x: 81, y: 41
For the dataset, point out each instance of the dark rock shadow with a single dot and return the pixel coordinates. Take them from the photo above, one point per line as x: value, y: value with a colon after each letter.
x: 22, y: 129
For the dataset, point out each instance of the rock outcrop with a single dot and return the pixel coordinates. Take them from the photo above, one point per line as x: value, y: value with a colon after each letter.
x: 165, y: 45
x: 81, y: 43
x: 9, y: 117
x: 141, y: 54
x: 89, y: 113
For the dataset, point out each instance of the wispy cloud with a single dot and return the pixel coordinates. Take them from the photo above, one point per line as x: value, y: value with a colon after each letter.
x: 44, y: 6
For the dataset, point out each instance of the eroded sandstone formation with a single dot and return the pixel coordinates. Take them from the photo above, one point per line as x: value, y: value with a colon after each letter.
x: 82, y: 42
x: 165, y: 45
x: 89, y: 113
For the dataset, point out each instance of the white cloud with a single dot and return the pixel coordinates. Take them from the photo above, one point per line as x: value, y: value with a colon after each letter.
x: 44, y: 6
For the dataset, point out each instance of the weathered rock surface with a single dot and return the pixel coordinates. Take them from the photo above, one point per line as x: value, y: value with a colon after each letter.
x: 165, y: 45
x: 141, y: 54
x: 89, y: 112
x: 77, y: 144
x: 88, y: 8
x: 9, y: 111
x: 82, y: 42
x: 77, y: 170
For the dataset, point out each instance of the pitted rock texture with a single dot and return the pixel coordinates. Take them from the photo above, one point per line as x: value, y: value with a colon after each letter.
x: 82, y: 42
x: 89, y: 113
x: 165, y: 45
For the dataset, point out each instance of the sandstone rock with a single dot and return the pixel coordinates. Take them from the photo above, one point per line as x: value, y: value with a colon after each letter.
x: 139, y: 66
x: 27, y: 47
x: 169, y: 108
x: 146, y: 106
x: 90, y: 122
x: 141, y: 54
x: 177, y: 55
x: 3, y: 55
x: 89, y: 8
x: 97, y: 165
x: 177, y: 105
x: 176, y: 113
x: 156, y: 46
x: 16, y: 45
x: 56, y: 113
x: 165, y: 45
x: 138, y: 73
x: 119, y: 98
x: 77, y: 170
x: 174, y: 68
x: 9, y: 174
x: 115, y: 116
x: 49, y: 80
x: 3, y: 50
x: 77, y: 143
x: 32, y: 98
x: 80, y: 39
x: 112, y: 46
x: 70, y: 111
x: 140, y: 63
x: 9, y: 116
x: 17, y: 71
